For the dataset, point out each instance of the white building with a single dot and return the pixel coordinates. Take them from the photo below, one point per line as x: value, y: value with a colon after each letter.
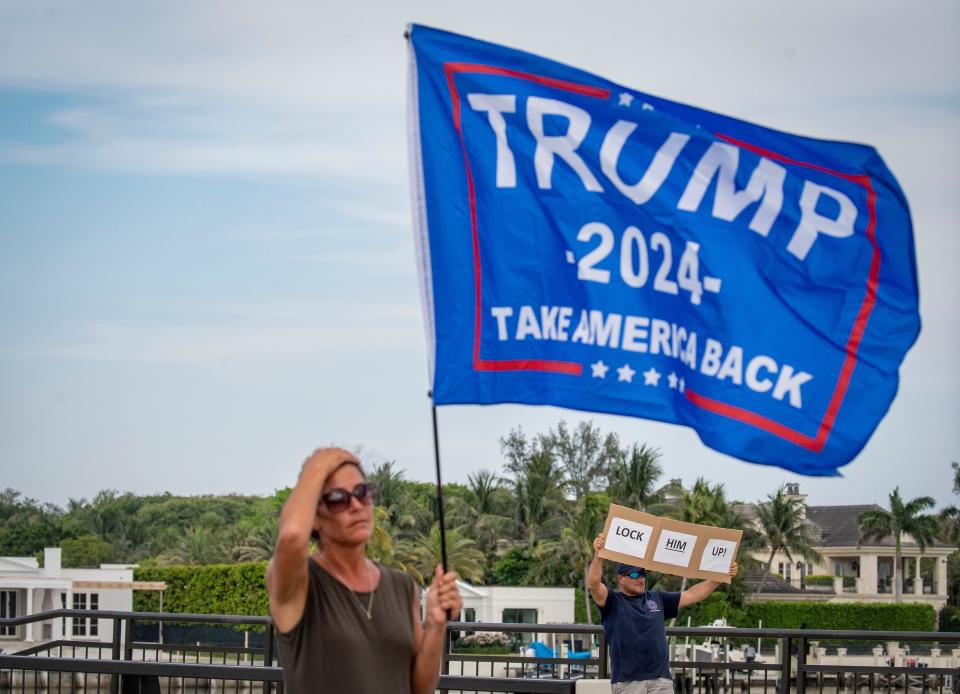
x: 860, y: 571
x: 26, y: 589
x: 517, y: 604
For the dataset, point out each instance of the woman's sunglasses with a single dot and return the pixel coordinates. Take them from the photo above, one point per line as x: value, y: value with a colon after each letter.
x: 338, y: 500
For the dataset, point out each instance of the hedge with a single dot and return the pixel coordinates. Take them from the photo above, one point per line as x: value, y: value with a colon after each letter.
x: 209, y: 589
x: 819, y: 580
x: 841, y: 615
x: 950, y: 618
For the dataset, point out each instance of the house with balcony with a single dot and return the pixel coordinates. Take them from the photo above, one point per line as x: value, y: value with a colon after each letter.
x: 857, y: 572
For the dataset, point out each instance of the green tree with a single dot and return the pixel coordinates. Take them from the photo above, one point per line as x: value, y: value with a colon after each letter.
x: 422, y: 555
x: 258, y: 542
x: 383, y: 545
x: 574, y: 548
x: 903, y: 517
x: 481, y: 512
x: 86, y: 551
x: 198, y: 545
x: 537, y: 485
x: 513, y: 567
x: 783, y: 528
x: 26, y: 525
x: 584, y: 453
x: 389, y: 481
x: 633, y: 477
x: 950, y: 516
x: 485, y: 488
x: 704, y: 505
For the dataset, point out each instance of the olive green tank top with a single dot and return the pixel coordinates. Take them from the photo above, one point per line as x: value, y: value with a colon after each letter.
x: 335, y: 649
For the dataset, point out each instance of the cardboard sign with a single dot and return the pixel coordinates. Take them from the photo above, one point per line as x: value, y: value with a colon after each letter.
x: 669, y: 546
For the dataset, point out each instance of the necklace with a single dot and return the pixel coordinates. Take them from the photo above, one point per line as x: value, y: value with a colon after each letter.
x: 368, y: 610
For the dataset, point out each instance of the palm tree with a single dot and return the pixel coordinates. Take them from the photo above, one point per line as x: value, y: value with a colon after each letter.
x: 783, y: 528
x: 259, y: 542
x: 422, y: 555
x: 198, y: 545
x: 879, y: 523
x: 538, y: 488
x: 575, y: 544
x: 703, y: 505
x: 633, y: 478
x: 485, y: 488
x: 383, y: 545
x: 480, y: 513
x: 389, y: 480
x: 950, y: 516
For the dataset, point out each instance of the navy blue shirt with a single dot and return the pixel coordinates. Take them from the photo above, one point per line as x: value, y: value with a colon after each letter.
x: 634, y: 625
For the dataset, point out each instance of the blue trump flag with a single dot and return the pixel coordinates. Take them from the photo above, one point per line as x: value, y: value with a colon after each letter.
x: 590, y: 246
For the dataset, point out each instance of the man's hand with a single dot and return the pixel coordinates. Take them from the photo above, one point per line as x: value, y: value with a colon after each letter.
x: 598, y: 543
x: 442, y: 596
x: 733, y: 569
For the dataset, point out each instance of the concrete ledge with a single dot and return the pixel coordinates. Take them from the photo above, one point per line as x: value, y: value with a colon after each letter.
x: 593, y: 687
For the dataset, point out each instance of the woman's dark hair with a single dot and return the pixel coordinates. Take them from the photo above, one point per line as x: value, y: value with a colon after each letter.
x: 313, y: 533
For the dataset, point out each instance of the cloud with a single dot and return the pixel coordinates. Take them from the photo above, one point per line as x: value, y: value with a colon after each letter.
x: 307, y: 90
x: 198, y: 137
x: 244, y: 334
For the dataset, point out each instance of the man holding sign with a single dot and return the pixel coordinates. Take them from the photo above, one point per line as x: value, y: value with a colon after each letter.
x: 633, y: 620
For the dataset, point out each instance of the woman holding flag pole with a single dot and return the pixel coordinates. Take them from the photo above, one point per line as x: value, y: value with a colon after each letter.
x: 346, y: 623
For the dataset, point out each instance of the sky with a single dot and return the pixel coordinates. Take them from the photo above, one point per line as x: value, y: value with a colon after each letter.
x: 206, y: 257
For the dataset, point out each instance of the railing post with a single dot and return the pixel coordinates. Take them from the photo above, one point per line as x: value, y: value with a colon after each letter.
x: 115, y: 654
x: 268, y: 655
x: 445, y: 651
x: 785, y: 665
x: 128, y: 640
x: 801, y: 663
x: 604, y: 669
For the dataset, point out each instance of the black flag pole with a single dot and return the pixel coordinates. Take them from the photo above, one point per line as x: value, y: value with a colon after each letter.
x: 436, y: 457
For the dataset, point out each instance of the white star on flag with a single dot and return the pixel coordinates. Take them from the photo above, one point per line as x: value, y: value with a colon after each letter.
x: 625, y: 99
x: 651, y: 377
x: 599, y: 369
x: 672, y: 379
x: 682, y: 385
x: 625, y: 373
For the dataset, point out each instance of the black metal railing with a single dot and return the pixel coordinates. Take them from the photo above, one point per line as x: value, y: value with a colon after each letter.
x: 702, y: 659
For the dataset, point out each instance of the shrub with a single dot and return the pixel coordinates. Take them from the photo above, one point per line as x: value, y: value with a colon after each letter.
x: 819, y: 580
x: 950, y: 618
x: 492, y: 642
x: 853, y: 615
x: 211, y: 589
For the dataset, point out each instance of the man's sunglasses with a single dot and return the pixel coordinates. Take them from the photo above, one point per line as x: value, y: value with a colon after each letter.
x: 338, y: 500
x: 635, y: 574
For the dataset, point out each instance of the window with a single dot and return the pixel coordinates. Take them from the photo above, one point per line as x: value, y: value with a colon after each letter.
x: 514, y: 615
x: 84, y: 601
x: 8, y: 609
x: 785, y: 570
x: 884, y: 574
x: 469, y: 615
x: 519, y: 615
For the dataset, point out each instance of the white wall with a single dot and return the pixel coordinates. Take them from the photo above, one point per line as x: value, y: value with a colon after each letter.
x: 553, y: 605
